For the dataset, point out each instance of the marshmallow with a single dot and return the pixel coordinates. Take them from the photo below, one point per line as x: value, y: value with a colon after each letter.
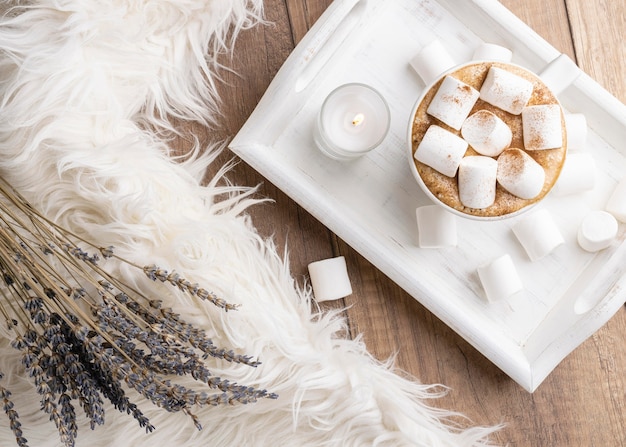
x: 436, y: 226
x: 617, y: 202
x: 538, y: 234
x: 486, y: 133
x: 432, y: 61
x: 477, y: 181
x: 520, y: 174
x: 560, y: 73
x: 329, y: 279
x: 506, y: 90
x: 597, y: 231
x: 577, y: 175
x: 441, y: 150
x: 499, y: 278
x: 576, y: 125
x: 492, y: 52
x: 542, y: 127
x: 453, y: 102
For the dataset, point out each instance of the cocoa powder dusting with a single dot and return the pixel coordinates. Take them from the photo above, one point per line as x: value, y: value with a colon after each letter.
x: 515, y: 163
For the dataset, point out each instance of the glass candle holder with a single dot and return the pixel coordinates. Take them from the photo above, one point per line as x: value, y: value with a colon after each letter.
x: 353, y: 120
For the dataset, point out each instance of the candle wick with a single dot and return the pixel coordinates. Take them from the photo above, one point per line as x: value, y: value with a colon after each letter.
x: 358, y: 119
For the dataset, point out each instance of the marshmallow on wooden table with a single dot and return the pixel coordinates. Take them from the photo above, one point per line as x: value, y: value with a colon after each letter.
x: 441, y: 150
x: 492, y: 52
x: 597, y: 231
x: 506, y: 90
x: 477, y: 181
x: 431, y: 61
x: 520, y: 174
x: 329, y: 279
x: 617, y: 202
x: 453, y: 102
x: 436, y: 227
x: 538, y: 234
x: 576, y: 125
x: 486, y: 133
x: 577, y: 175
x: 542, y: 127
x: 499, y: 278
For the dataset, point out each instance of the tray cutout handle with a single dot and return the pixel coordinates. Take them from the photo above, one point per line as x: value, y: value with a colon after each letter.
x: 335, y: 31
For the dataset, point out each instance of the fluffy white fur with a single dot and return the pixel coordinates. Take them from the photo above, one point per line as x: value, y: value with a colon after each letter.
x: 85, y: 88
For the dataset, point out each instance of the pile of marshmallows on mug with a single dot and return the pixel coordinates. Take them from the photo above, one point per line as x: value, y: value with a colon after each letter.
x: 477, y: 175
x: 491, y: 137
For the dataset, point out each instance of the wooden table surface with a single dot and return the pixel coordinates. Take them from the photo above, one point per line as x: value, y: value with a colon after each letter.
x: 583, y: 402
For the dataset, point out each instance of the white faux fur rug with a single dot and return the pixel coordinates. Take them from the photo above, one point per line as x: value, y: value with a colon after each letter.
x: 81, y: 81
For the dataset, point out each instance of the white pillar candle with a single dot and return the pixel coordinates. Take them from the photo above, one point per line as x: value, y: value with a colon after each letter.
x: 499, y: 278
x: 453, y: 102
x: 617, y: 202
x: 597, y: 231
x: 492, y: 52
x: 538, y: 234
x: 353, y: 120
x: 432, y: 61
x: 436, y: 227
x: 477, y: 181
x: 329, y: 279
x: 577, y: 175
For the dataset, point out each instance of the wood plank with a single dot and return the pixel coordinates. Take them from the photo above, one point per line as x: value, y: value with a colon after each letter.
x: 598, y: 35
x: 303, y: 14
x: 582, y: 402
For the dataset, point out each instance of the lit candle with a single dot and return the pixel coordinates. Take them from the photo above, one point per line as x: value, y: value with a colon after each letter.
x: 353, y: 120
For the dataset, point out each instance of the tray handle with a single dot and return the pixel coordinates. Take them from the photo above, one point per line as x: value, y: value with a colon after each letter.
x: 331, y: 34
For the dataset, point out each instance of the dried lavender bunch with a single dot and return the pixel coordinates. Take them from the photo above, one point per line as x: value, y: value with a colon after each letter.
x: 14, y: 418
x: 86, y: 336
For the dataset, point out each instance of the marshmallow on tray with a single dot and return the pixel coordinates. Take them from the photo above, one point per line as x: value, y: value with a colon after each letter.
x: 432, y: 60
x: 329, y: 279
x: 617, y: 202
x: 542, y: 127
x: 520, y: 174
x: 486, y: 133
x: 436, y: 227
x: 538, y: 234
x: 506, y: 90
x: 477, y: 181
x: 576, y: 125
x: 453, y: 102
x: 597, y: 231
x: 577, y: 175
x: 499, y: 278
x: 441, y: 150
x: 560, y: 73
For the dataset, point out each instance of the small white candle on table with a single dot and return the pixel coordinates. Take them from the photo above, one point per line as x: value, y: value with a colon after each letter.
x: 353, y: 120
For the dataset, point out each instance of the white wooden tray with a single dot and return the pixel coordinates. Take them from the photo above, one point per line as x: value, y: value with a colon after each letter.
x: 370, y: 203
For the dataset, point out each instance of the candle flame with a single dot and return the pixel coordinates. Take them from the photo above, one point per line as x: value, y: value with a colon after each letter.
x: 358, y: 119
